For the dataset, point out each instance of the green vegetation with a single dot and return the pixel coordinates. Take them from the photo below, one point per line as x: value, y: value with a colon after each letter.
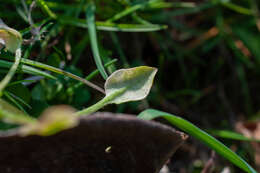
x: 206, y: 54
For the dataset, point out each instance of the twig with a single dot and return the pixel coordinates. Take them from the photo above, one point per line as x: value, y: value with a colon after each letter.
x: 210, y: 164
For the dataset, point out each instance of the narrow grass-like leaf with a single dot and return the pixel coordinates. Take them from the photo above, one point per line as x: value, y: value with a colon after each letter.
x: 129, y: 27
x: 140, y: 20
x: 27, y: 69
x: 119, y: 49
x: 20, y: 81
x: 237, y: 8
x: 150, y: 5
x: 201, y: 135
x: 162, y: 4
x: 62, y: 72
x: 90, y: 15
x: 104, y: 26
x: 231, y: 135
x: 186, y: 11
x: 7, y: 94
x: 19, y: 99
x: 46, y: 9
x: 11, y: 114
x: 130, y: 10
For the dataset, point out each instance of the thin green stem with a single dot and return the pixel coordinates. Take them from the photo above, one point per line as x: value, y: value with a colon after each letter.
x: 105, y: 101
x: 59, y: 71
x: 26, y: 69
x: 96, y: 72
x: 11, y: 72
x: 90, y: 76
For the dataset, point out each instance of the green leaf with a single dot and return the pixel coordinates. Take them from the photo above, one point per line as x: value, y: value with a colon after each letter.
x: 231, y: 135
x: 27, y: 69
x: 124, y: 85
x: 136, y: 81
x: 90, y: 14
x: 9, y: 38
x: 200, y: 135
x: 105, y: 26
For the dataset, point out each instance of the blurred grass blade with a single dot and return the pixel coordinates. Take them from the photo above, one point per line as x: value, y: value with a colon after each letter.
x: 112, y: 26
x: 140, y: 20
x: 129, y: 27
x: 27, y: 69
x: 90, y: 15
x: 130, y: 10
x: 20, y: 82
x: 152, y: 4
x: 10, y: 114
x: 119, y: 49
x: 19, y: 99
x: 7, y: 94
x: 162, y: 4
x: 186, y: 11
x: 231, y: 135
x: 200, y: 135
x: 46, y: 9
x: 237, y: 8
